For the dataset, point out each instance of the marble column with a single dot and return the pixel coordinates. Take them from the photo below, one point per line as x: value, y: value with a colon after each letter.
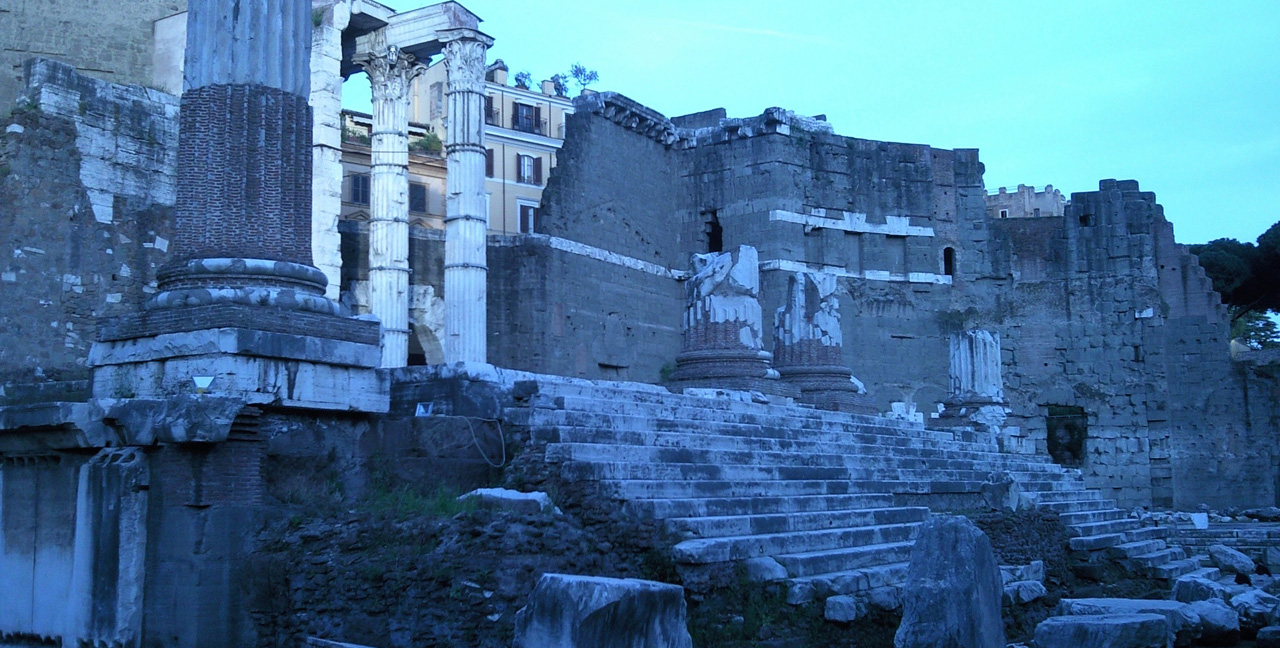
x: 975, y: 367
x: 243, y: 210
x: 391, y: 73
x: 466, y: 217
x: 808, y: 345
x: 326, y: 107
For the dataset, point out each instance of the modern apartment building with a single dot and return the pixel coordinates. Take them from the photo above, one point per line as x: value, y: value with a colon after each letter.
x: 524, y: 128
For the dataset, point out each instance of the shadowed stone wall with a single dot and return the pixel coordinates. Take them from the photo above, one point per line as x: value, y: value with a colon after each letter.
x: 106, y: 40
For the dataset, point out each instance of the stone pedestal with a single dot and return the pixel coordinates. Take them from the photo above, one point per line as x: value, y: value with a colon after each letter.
x: 808, y: 346
x: 722, y: 327
x: 390, y: 74
x: 466, y: 213
x: 241, y: 311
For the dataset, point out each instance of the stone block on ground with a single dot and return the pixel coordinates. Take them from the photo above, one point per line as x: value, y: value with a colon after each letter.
x: 1230, y: 560
x: 1219, y: 624
x: 509, y: 500
x: 1271, y: 557
x: 1103, y: 631
x: 765, y: 569
x: 1031, y: 572
x: 1023, y: 592
x: 1189, y: 589
x: 567, y: 611
x: 1179, y: 618
x: 1257, y: 610
x: 1269, y: 637
x: 953, y: 589
x: 844, y: 608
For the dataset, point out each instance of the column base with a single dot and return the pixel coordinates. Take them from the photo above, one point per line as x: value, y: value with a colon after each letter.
x: 828, y: 387
x: 734, y: 369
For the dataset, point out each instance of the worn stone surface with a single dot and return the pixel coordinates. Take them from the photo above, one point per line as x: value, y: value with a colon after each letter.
x: 953, y: 590
x: 1023, y: 592
x: 1189, y: 589
x: 509, y: 500
x: 1219, y: 624
x: 844, y: 608
x: 583, y: 611
x: 1269, y: 637
x: 1230, y: 560
x: 1103, y: 631
x: 1181, y: 622
x: 1257, y: 609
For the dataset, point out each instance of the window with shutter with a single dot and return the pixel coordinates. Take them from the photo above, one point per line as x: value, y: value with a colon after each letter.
x: 528, y: 218
x: 360, y: 189
x: 417, y: 198
x: 488, y: 163
x: 525, y: 168
x: 537, y: 121
x: 537, y: 170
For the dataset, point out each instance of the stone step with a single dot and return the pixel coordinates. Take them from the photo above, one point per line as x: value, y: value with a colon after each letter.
x: 1097, y: 528
x: 844, y: 559
x: 708, y: 448
x: 1087, y: 517
x: 1159, y: 557
x: 1131, y: 549
x: 1077, y: 506
x: 664, y: 488
x: 716, y: 506
x: 1146, y: 533
x: 718, y: 408
x: 1078, y: 495
x: 1173, y: 569
x: 742, y: 525
x: 602, y: 470
x: 736, y: 548
x: 1095, y: 542
x: 605, y: 429
x: 618, y: 470
x: 1208, y: 573
x: 846, y: 582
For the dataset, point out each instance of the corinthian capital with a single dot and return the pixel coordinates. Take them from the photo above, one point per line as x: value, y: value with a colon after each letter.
x: 390, y: 72
x: 465, y: 51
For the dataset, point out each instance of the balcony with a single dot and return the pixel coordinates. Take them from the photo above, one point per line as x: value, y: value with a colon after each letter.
x: 529, y: 125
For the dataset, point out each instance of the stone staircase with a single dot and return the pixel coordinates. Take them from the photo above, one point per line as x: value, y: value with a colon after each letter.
x: 833, y: 498
x: 1099, y: 526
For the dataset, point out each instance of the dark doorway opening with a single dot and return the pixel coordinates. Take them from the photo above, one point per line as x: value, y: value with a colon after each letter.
x: 948, y: 261
x: 1068, y: 427
x: 715, y: 233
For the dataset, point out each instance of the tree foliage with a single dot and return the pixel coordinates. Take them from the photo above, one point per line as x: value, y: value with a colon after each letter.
x: 1247, y: 275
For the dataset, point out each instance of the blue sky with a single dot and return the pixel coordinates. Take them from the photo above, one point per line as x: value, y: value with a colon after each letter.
x: 1182, y: 96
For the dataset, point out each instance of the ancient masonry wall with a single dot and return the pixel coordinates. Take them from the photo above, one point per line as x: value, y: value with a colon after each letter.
x: 106, y: 40
x: 86, y: 200
x: 1106, y: 313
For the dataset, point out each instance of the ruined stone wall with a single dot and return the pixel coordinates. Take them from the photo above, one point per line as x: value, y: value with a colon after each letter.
x: 1105, y: 312
x: 616, y: 189
x: 574, y: 313
x: 106, y: 40
x: 86, y: 197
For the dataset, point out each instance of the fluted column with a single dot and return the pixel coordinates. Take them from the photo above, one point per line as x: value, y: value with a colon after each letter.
x: 466, y: 219
x: 326, y: 106
x: 390, y: 74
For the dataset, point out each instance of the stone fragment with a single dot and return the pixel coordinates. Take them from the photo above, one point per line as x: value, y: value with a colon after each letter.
x: 1267, y: 514
x: 1271, y: 557
x: 1230, y: 560
x: 1269, y: 637
x: 1031, y: 572
x: 567, y: 611
x: 953, y: 589
x: 1219, y: 624
x: 844, y: 608
x: 16, y: 129
x: 765, y: 569
x: 1256, y: 608
x: 1103, y: 631
x: 509, y: 500
x: 1200, y: 520
x: 888, y: 597
x: 1179, y: 618
x: 1022, y: 592
x: 1189, y: 589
